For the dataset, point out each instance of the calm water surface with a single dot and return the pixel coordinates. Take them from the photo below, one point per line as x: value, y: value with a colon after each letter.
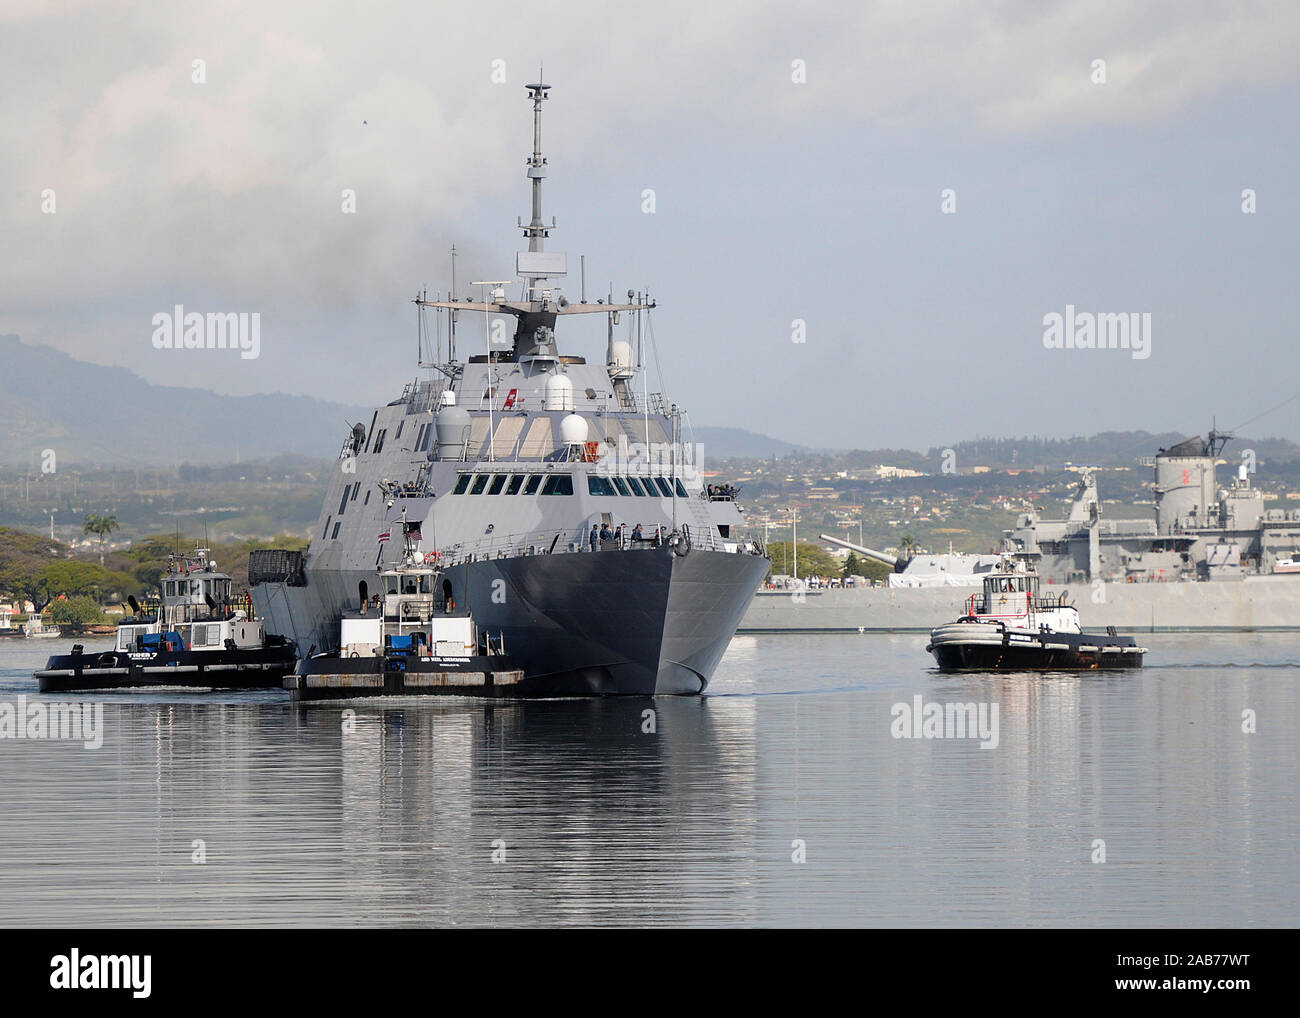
x: 395, y: 822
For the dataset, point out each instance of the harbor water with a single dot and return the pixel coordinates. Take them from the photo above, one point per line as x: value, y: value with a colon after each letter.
x: 796, y: 792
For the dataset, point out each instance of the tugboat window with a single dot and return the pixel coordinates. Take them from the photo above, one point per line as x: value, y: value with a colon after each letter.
x: 462, y: 482
x: 480, y: 482
x: 498, y: 482
x: 516, y: 482
x: 533, y: 481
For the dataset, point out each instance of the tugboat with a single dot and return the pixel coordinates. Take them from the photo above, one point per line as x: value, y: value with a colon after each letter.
x: 198, y: 636
x: 1012, y: 627
x: 408, y: 640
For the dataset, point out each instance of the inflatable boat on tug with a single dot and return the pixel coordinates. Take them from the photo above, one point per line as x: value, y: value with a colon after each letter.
x: 1012, y: 626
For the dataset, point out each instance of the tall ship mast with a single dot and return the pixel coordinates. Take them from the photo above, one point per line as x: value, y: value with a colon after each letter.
x: 561, y: 505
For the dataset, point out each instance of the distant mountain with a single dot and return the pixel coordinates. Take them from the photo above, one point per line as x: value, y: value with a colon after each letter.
x: 737, y: 443
x: 105, y: 416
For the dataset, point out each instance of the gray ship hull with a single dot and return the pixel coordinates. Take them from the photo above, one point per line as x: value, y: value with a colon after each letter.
x: 607, y: 623
x: 1250, y: 604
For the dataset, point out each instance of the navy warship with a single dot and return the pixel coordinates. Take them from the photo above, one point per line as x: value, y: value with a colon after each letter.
x: 560, y: 506
x: 1211, y: 557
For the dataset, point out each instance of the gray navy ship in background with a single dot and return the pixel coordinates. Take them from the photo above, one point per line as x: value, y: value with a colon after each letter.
x: 1211, y: 558
x: 559, y: 504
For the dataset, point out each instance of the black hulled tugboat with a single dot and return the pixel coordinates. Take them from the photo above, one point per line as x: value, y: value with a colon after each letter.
x: 198, y: 636
x: 1012, y: 627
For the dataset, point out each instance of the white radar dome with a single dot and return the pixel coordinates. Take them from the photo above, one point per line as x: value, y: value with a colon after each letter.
x: 573, y: 429
x: 559, y: 393
x: 620, y: 363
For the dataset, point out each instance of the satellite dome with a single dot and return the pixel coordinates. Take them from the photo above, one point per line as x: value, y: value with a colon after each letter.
x: 620, y: 359
x: 573, y: 429
x: 559, y: 393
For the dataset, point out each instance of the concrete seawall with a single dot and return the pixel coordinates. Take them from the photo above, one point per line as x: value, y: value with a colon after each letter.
x: 1254, y: 603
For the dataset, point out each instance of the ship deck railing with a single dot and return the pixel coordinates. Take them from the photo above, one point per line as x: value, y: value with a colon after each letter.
x: 571, y: 541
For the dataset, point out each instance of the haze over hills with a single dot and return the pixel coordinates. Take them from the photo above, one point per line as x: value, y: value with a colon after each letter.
x: 90, y: 414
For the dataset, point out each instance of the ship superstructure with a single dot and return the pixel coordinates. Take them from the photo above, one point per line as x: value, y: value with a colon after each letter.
x: 562, y: 505
x: 1200, y: 531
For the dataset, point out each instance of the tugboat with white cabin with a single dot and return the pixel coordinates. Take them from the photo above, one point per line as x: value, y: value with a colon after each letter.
x: 198, y: 636
x: 1013, y: 627
x: 410, y: 639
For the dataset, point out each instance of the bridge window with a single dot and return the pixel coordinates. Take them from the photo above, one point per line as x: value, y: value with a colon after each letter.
x: 635, y: 485
x: 498, y: 482
x: 326, y: 532
x: 663, y: 486
x: 558, y: 484
x: 335, y: 535
x: 681, y: 488
x: 356, y: 490
x: 597, y: 485
x: 379, y: 440
x: 343, y: 502
x: 516, y: 482
x: 621, y: 485
x: 480, y: 482
x: 533, y: 481
x: 462, y: 482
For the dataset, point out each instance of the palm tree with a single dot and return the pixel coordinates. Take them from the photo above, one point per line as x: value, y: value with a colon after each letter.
x: 102, y: 525
x: 907, y: 544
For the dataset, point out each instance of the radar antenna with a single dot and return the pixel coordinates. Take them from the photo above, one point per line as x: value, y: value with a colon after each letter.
x: 537, y: 231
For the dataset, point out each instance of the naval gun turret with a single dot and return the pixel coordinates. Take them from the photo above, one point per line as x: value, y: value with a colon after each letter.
x: 952, y: 568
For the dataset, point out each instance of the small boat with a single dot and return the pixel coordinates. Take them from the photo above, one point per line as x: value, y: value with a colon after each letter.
x: 36, y: 629
x: 7, y: 628
x: 1013, y: 627
x: 407, y: 640
x: 1286, y: 566
x: 197, y: 636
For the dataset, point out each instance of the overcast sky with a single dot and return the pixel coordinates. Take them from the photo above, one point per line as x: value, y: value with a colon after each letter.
x: 775, y: 200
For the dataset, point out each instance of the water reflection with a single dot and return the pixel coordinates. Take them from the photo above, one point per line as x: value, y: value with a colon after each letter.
x: 392, y: 817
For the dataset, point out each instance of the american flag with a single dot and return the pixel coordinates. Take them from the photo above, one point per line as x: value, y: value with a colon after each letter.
x: 386, y: 534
